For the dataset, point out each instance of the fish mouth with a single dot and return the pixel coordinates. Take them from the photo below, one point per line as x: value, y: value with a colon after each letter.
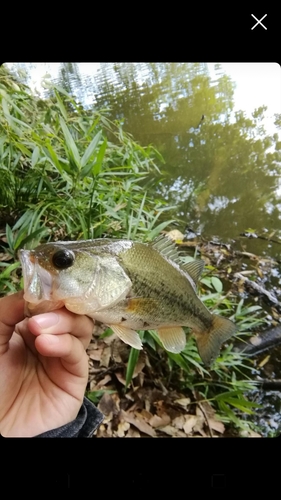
x: 37, y: 281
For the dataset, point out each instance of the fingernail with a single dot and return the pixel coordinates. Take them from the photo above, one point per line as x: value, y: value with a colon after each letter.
x: 46, y: 320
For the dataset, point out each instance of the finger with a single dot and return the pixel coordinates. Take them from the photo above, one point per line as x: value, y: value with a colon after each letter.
x: 68, y: 348
x: 11, y: 312
x: 63, y: 321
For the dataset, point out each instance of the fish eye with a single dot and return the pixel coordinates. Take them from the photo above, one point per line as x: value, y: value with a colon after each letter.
x: 63, y: 259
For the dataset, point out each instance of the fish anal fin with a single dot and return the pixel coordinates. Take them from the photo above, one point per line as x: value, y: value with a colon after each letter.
x: 210, y: 342
x: 194, y: 269
x: 130, y: 337
x: 173, y: 338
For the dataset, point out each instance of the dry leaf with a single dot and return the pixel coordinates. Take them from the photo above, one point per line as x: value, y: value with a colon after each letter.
x: 122, y: 428
x: 157, y: 421
x: 190, y: 422
x: 140, y: 379
x: 107, y: 404
x: 132, y: 433
x: 172, y: 431
x: 140, y: 364
x: 216, y: 425
x: 264, y: 361
x: 120, y: 378
x: 146, y: 415
x: 183, y: 401
x: 95, y: 354
x: 178, y: 422
x: 175, y: 235
x: 198, y: 427
x: 139, y: 423
x: 103, y: 382
x: 105, y: 357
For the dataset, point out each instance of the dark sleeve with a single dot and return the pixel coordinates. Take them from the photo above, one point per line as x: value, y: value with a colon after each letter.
x: 87, y: 421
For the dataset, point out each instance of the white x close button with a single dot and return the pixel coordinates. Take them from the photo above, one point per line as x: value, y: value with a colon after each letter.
x: 259, y: 21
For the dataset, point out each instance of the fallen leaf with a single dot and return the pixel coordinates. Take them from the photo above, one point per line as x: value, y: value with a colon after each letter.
x: 190, y: 422
x: 104, y: 431
x: 122, y: 428
x: 105, y: 357
x: 157, y: 421
x: 216, y: 425
x: 264, y: 361
x: 178, y: 422
x: 175, y: 235
x: 132, y: 433
x: 120, y: 378
x: 146, y: 415
x: 139, y: 423
x: 172, y: 431
x: 107, y: 404
x: 103, y: 382
x: 183, y: 401
x: 140, y: 364
x: 141, y: 378
x: 95, y: 354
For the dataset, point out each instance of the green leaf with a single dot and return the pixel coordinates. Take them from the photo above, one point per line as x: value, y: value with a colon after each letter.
x: 10, y: 236
x: 133, y: 358
x: 159, y: 228
x: 207, y: 282
x: 23, y: 149
x: 35, y: 156
x: 55, y: 161
x: 71, y: 146
x: 217, y: 284
x: 90, y: 149
x: 86, y: 170
x: 95, y: 396
x: 61, y: 106
x: 6, y: 109
x: 6, y: 273
x: 42, y: 231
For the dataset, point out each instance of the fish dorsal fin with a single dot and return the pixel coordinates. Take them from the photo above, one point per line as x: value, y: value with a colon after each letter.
x: 194, y: 269
x: 166, y: 246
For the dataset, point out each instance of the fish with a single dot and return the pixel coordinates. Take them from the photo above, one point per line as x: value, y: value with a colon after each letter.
x: 127, y: 286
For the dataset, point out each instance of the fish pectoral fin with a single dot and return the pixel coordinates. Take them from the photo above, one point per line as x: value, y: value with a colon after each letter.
x: 173, y: 338
x: 128, y: 336
x: 209, y: 342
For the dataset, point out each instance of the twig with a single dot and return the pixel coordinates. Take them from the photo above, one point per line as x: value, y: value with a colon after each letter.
x: 257, y: 287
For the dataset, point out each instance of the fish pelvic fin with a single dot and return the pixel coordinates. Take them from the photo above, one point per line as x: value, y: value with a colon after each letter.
x: 172, y: 338
x: 130, y: 337
x: 210, y: 342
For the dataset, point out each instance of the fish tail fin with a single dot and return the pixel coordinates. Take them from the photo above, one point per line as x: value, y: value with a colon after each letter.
x: 209, y: 342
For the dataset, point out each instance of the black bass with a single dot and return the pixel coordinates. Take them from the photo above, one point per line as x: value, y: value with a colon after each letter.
x: 127, y: 286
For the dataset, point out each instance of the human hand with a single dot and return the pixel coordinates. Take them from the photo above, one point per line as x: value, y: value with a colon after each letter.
x: 43, y: 366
